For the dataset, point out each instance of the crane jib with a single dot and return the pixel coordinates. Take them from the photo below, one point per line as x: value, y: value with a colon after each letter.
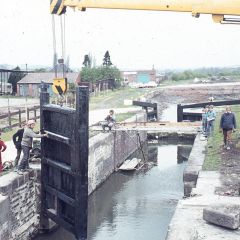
x: 57, y: 7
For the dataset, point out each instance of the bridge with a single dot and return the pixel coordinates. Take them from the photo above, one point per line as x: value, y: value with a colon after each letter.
x: 160, y: 127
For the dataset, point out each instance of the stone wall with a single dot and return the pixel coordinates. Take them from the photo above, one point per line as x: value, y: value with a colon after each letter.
x: 108, y: 150
x: 194, y: 165
x: 19, y: 204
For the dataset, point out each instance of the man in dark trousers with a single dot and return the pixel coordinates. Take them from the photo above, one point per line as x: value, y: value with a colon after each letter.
x: 26, y: 144
x: 227, y: 126
x: 17, y: 139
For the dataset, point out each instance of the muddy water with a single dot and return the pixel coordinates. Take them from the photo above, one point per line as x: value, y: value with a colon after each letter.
x: 137, y: 205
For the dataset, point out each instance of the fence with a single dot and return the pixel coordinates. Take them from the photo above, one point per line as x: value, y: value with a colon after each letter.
x: 16, y: 118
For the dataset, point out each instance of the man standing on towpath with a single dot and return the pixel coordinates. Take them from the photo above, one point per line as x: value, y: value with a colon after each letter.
x: 227, y: 126
x: 26, y: 144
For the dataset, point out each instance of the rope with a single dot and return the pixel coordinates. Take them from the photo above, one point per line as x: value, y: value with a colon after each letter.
x: 140, y: 143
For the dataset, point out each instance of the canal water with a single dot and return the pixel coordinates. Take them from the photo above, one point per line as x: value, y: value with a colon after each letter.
x: 169, y: 113
x: 137, y: 205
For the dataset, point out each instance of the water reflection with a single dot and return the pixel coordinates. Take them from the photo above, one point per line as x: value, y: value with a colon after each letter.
x: 137, y: 205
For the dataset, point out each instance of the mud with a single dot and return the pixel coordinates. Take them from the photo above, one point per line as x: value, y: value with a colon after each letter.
x: 230, y: 171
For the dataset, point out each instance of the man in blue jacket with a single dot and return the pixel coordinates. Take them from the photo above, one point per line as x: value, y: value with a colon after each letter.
x: 227, y: 126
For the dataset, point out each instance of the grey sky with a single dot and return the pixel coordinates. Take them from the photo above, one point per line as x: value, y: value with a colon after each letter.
x: 135, y: 39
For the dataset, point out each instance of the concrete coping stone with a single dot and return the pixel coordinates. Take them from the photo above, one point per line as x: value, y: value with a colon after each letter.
x: 11, y: 181
x: 225, y: 215
x: 207, y: 200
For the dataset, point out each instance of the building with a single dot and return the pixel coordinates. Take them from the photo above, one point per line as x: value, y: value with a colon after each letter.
x: 5, y: 87
x: 29, y: 85
x: 140, y: 76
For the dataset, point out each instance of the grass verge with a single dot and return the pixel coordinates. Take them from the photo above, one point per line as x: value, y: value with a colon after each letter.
x: 213, y: 156
x: 115, y: 99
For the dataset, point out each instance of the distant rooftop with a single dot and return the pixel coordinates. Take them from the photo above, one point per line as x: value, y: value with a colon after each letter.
x: 47, y: 77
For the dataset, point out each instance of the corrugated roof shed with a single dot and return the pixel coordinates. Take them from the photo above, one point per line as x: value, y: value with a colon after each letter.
x: 47, y: 77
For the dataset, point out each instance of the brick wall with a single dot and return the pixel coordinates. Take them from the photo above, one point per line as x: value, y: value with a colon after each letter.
x: 19, y: 205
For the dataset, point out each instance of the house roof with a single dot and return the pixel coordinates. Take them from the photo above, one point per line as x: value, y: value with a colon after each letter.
x: 47, y: 77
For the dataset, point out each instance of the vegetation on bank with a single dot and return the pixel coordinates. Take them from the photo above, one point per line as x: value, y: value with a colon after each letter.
x: 216, y: 72
x: 215, y: 151
x: 115, y: 99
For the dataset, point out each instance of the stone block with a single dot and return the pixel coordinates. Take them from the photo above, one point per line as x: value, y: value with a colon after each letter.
x: 6, y: 189
x: 20, y: 180
x: 188, y: 186
x: 223, y: 215
x: 190, y: 173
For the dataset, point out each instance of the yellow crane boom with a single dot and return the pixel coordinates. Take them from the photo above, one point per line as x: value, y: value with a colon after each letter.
x: 218, y: 8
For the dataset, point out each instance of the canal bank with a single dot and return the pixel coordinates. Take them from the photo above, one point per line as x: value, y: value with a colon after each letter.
x: 137, y: 205
x: 204, y: 203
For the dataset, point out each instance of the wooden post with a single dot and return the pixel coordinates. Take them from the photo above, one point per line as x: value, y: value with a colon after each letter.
x: 27, y: 113
x: 44, y: 99
x: 9, y: 119
x: 19, y: 117
x: 179, y: 113
x: 35, y: 113
x: 81, y: 161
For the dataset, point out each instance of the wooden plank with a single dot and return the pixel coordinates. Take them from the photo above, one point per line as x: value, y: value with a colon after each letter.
x: 130, y: 165
x: 145, y: 104
x: 218, y: 103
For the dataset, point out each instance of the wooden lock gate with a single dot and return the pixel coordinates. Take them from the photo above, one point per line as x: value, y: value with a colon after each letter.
x: 64, y: 165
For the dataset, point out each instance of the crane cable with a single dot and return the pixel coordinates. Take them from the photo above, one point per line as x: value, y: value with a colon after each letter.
x: 62, y: 29
x: 54, y: 45
x: 62, y: 22
x: 63, y: 37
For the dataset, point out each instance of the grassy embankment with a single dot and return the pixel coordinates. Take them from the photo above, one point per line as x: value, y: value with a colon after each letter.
x: 213, y: 156
x: 115, y: 99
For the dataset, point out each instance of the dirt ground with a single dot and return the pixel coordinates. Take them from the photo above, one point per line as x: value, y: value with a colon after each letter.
x: 230, y: 170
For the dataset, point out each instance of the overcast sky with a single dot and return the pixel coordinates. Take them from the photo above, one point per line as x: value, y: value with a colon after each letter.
x: 135, y: 39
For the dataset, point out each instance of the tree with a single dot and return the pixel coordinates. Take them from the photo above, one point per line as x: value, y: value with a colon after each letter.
x: 106, y: 60
x: 86, y: 61
x: 15, y: 77
x: 40, y: 70
x: 101, y: 73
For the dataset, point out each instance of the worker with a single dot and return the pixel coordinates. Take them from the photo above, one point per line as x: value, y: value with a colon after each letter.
x: 17, y: 139
x: 26, y: 145
x: 227, y: 126
x: 211, y: 116
x: 3, y: 147
x: 110, y: 120
x: 204, y: 120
